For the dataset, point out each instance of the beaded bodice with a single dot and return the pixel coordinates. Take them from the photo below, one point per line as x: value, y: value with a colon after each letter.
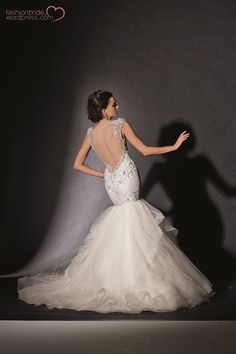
x: 121, y: 175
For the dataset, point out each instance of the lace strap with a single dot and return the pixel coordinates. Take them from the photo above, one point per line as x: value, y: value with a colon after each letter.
x: 118, y: 123
x: 89, y: 135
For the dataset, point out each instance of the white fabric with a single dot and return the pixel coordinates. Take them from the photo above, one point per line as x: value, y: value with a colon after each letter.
x: 130, y: 260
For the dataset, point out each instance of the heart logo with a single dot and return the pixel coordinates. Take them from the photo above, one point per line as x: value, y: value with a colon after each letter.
x: 55, y: 9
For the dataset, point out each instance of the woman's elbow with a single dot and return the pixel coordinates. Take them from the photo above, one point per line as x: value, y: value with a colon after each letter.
x: 77, y: 167
x: 145, y: 151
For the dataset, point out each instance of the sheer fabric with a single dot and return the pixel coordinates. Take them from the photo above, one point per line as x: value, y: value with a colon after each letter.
x: 108, y: 142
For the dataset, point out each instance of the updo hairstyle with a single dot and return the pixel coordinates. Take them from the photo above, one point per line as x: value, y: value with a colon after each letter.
x: 96, y: 101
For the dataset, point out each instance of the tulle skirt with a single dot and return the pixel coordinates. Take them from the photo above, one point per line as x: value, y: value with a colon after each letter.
x: 130, y: 262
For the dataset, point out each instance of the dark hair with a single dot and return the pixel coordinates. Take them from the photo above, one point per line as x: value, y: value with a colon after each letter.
x: 96, y: 101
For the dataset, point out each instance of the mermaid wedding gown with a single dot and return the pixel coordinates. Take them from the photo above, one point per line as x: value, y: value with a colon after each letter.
x: 130, y: 260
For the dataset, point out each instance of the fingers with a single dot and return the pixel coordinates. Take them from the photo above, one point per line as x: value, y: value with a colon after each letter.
x: 185, y: 134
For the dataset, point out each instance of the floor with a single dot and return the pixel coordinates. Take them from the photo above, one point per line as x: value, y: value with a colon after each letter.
x: 116, y: 337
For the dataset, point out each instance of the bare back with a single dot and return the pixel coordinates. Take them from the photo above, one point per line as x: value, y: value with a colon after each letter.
x: 107, y: 141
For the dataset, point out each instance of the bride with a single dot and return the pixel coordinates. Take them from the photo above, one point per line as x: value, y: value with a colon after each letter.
x: 130, y: 260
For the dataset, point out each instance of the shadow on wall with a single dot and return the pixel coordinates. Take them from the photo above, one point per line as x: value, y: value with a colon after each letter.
x: 201, y: 229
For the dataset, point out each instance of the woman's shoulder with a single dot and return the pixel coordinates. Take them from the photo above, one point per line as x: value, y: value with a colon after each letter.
x: 89, y: 130
x: 120, y: 120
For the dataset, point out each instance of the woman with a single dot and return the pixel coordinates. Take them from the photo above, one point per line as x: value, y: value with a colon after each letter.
x: 130, y: 260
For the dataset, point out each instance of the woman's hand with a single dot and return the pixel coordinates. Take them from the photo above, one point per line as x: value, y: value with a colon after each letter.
x: 183, y: 136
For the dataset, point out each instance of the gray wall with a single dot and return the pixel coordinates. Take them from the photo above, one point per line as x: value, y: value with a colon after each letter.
x: 171, y: 67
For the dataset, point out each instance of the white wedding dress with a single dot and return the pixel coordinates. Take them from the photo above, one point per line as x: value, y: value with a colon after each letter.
x: 130, y: 260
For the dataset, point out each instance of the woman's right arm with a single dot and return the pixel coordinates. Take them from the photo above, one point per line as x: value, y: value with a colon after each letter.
x: 146, y: 150
x: 80, y: 158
